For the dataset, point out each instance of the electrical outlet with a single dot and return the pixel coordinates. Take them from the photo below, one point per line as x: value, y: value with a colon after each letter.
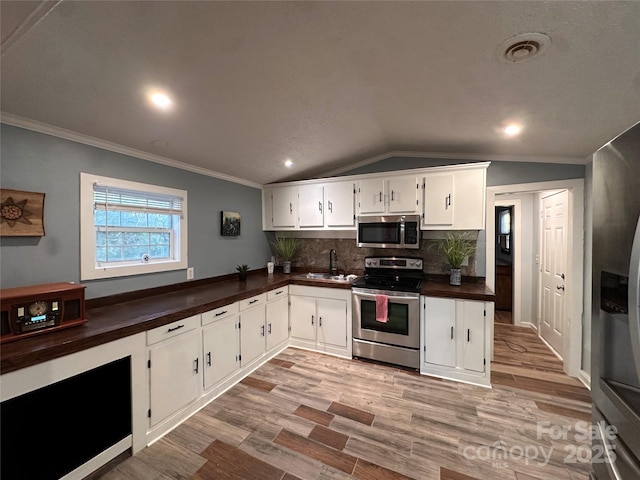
x: 190, y: 273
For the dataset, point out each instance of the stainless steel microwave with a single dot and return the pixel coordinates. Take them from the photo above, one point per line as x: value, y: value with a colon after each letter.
x: 389, y: 231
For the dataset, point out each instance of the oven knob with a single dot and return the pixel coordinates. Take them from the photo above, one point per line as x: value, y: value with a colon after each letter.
x: 375, y: 262
x: 411, y: 264
x: 418, y: 263
x: 368, y: 263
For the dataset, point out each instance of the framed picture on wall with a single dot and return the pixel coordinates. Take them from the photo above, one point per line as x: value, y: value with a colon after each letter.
x: 229, y: 224
x: 21, y: 213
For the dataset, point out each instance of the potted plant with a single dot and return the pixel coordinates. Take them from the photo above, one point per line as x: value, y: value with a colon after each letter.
x: 242, y: 271
x: 286, y: 248
x: 456, y: 246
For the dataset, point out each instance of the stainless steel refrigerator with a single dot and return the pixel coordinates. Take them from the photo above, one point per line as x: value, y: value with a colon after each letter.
x: 615, y: 337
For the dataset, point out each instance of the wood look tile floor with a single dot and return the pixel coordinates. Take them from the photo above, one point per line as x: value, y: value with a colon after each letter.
x: 305, y: 415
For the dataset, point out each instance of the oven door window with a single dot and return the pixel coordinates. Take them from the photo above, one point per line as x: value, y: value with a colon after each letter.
x: 397, y: 323
x: 379, y: 233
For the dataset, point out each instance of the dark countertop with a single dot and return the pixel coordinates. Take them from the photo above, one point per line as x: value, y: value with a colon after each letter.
x: 118, y: 316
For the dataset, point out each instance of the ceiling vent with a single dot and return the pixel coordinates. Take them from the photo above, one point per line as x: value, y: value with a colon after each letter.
x: 522, y: 48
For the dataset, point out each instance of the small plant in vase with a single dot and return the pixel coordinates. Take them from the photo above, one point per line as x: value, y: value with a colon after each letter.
x: 456, y: 246
x: 242, y: 271
x: 286, y: 248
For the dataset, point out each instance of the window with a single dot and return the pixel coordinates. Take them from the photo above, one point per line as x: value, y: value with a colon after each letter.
x: 130, y: 228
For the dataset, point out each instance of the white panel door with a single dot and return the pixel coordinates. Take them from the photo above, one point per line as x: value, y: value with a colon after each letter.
x: 283, y: 203
x: 277, y: 322
x: 174, y: 374
x: 339, y: 205
x: 371, y: 196
x: 221, y: 349
x: 553, y: 261
x: 439, y: 331
x: 332, y: 322
x: 252, y: 334
x: 438, y: 191
x: 310, y: 206
x: 403, y: 194
x: 473, y: 322
x: 302, y: 316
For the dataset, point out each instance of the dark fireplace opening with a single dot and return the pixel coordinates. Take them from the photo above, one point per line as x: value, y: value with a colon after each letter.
x: 51, y: 431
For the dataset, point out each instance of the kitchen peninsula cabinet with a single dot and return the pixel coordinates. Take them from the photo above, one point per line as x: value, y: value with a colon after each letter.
x: 174, y: 367
x: 321, y: 319
x: 456, y: 339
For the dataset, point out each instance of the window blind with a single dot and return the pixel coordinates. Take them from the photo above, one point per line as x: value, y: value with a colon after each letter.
x: 113, y: 198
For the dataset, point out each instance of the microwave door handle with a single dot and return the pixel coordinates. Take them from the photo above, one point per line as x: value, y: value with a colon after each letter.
x: 634, y: 298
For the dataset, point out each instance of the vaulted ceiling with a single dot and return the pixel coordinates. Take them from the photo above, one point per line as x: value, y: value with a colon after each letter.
x: 324, y: 84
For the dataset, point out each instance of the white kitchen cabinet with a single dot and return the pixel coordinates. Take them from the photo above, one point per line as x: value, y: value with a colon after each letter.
x: 339, y: 211
x: 456, y: 339
x: 393, y: 194
x: 252, y: 328
x: 221, y: 347
x: 175, y: 368
x: 438, y: 190
x: 321, y: 319
x: 284, y: 207
x: 277, y: 317
x: 454, y: 200
x: 311, y: 206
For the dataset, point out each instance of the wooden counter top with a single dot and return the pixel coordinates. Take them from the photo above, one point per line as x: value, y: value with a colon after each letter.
x: 470, y: 289
x: 118, y: 316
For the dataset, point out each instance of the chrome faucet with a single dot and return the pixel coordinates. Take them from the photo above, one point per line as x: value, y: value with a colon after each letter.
x: 333, y: 262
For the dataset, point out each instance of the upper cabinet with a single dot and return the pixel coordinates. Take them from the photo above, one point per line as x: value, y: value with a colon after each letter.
x: 454, y: 200
x: 446, y: 198
x: 395, y: 194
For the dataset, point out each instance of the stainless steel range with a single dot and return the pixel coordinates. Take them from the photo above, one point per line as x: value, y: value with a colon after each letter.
x: 386, y: 311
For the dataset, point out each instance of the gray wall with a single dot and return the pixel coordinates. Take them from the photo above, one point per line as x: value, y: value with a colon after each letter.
x: 37, y: 162
x: 498, y: 173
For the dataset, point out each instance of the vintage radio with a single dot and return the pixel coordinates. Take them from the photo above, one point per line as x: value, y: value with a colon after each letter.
x: 28, y: 311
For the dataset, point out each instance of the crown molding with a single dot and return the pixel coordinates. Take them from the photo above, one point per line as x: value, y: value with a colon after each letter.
x: 28, y: 124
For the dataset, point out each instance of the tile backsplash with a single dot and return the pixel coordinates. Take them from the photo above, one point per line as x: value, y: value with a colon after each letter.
x: 314, y: 255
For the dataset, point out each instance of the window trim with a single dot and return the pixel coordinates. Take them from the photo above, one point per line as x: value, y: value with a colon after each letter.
x: 88, y: 265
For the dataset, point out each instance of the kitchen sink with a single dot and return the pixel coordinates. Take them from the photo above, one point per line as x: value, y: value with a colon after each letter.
x: 327, y: 276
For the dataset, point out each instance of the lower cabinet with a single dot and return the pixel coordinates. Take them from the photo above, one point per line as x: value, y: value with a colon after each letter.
x: 175, y: 368
x: 221, y: 349
x: 321, y: 319
x: 456, y: 339
x: 277, y: 317
x: 252, y: 329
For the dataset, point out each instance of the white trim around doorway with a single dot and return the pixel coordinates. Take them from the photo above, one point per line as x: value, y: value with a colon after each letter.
x: 575, y: 259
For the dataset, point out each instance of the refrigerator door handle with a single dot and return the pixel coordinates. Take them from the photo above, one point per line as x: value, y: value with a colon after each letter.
x: 634, y: 298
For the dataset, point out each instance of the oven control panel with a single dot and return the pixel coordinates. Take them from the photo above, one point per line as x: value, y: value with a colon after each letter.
x: 397, y: 263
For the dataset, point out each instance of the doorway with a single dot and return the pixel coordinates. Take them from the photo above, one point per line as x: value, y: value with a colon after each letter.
x: 503, y: 236
x: 526, y: 286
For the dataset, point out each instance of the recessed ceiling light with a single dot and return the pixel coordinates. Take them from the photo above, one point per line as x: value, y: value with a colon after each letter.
x: 161, y: 100
x: 512, y: 130
x: 288, y: 163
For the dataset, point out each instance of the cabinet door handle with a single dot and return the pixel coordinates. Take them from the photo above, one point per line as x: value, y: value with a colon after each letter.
x: 380, y: 196
x: 451, y: 333
x: 253, y: 301
x: 320, y: 206
x: 290, y: 207
x: 330, y: 206
x: 320, y: 320
x: 392, y: 195
x: 311, y: 319
x: 220, y: 313
x: 269, y: 331
x: 468, y: 334
x: 197, y: 361
x: 175, y: 328
x: 447, y: 201
x: 279, y: 292
x: 209, y: 358
x: 262, y: 328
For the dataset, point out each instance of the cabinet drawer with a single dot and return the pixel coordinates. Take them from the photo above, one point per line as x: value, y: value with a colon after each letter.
x: 172, y: 329
x: 252, y: 301
x: 219, y: 313
x: 277, y: 293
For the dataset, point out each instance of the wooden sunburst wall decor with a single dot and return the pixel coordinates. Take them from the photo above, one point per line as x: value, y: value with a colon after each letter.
x: 21, y: 213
